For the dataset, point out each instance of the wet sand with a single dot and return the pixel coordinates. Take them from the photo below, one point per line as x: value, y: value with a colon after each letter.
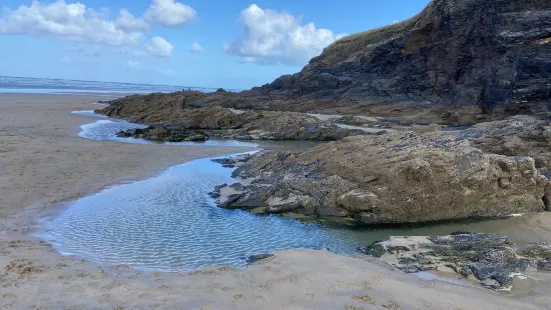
x: 44, y: 163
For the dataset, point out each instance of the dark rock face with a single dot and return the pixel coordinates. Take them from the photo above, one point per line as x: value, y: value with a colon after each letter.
x: 404, y: 177
x: 494, y: 260
x: 490, y: 53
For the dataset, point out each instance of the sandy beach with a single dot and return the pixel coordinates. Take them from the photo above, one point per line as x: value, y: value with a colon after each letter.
x: 43, y: 163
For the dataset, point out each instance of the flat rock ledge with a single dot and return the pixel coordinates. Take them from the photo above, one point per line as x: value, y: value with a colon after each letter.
x: 495, y: 261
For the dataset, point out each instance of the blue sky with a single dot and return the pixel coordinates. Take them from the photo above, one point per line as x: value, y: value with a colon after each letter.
x: 231, y: 44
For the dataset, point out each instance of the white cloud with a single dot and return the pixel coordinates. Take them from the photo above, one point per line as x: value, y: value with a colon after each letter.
x: 169, y: 13
x: 272, y: 37
x: 132, y: 64
x: 66, y: 60
x: 128, y: 22
x: 70, y: 20
x: 196, y: 48
x: 159, y: 47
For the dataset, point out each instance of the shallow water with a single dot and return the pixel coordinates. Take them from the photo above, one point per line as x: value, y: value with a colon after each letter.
x: 521, y: 230
x: 170, y: 223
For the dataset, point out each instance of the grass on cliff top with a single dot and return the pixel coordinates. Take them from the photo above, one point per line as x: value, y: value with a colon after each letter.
x: 343, y: 48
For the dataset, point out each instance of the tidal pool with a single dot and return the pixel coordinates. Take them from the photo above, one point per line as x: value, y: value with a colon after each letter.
x: 170, y: 223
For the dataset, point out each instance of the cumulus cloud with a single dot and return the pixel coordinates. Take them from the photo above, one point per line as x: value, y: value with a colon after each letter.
x: 278, y: 37
x: 196, y: 48
x: 159, y: 47
x: 128, y: 22
x: 169, y: 13
x: 70, y: 20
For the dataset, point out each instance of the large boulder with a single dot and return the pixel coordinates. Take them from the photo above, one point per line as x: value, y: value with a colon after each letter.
x: 398, y: 177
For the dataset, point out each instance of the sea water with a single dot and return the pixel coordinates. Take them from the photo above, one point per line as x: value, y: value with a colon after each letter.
x: 10, y: 84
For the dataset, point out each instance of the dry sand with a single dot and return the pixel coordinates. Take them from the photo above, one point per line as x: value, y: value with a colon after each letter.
x: 43, y: 162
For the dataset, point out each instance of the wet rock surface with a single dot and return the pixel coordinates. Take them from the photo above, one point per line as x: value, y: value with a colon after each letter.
x: 401, y: 177
x: 493, y: 260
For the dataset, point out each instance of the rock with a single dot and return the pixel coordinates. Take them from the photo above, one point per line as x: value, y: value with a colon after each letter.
x: 258, y: 257
x: 225, y: 162
x: 216, y: 192
x: 545, y: 266
x: 184, y: 123
x: 493, y: 260
x: 161, y: 134
x: 493, y: 54
x: 198, y: 137
x: 231, y: 200
x: 404, y: 177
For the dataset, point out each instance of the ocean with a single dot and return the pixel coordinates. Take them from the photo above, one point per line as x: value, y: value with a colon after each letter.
x: 9, y: 84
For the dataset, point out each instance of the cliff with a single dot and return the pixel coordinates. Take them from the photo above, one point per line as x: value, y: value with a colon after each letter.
x: 491, y: 54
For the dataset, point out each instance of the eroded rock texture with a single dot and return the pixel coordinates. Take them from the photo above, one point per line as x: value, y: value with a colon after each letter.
x: 403, y: 177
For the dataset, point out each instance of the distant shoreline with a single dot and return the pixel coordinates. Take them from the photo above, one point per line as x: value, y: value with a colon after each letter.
x: 29, y: 85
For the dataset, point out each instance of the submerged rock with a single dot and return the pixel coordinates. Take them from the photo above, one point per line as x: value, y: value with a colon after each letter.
x: 401, y: 177
x: 258, y: 257
x: 493, y: 260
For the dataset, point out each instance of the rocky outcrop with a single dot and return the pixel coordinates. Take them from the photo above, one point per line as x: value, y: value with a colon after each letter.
x: 173, y: 121
x: 493, y: 54
x: 493, y: 260
x: 399, y: 177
